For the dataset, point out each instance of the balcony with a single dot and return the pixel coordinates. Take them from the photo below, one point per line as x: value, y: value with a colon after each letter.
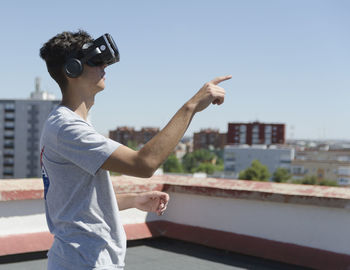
x: 10, y: 107
x: 298, y: 225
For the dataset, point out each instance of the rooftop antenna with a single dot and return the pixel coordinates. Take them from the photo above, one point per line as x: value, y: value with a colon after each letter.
x: 37, y: 84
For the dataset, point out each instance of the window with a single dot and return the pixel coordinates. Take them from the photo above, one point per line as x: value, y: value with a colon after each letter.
x: 9, y: 152
x: 9, y: 106
x: 9, y: 134
x: 298, y: 170
x: 242, y: 139
x: 9, y: 143
x: 344, y: 171
x: 229, y: 156
x: 8, y: 161
x: 344, y: 181
x: 9, y: 125
x: 8, y: 170
x: 9, y: 115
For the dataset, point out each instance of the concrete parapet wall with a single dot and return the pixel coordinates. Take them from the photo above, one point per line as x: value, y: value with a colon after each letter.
x: 285, y: 222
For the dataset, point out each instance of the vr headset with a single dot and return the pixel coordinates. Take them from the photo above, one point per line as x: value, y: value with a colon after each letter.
x: 102, y: 51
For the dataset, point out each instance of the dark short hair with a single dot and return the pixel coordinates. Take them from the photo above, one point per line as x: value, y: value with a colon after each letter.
x: 58, y: 49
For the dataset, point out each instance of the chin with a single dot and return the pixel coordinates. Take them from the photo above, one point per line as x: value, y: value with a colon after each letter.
x: 100, y: 87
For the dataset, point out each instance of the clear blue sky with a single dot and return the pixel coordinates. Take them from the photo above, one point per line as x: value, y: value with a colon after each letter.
x: 290, y: 60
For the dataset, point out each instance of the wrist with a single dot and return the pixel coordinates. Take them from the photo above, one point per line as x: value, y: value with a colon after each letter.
x: 126, y: 201
x: 190, y: 107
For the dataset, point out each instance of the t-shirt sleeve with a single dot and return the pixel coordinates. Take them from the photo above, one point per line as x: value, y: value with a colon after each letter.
x: 82, y: 145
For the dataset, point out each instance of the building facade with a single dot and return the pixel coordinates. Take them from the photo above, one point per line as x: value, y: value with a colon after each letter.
x: 21, y: 122
x: 125, y: 135
x: 330, y: 165
x: 239, y: 157
x: 256, y: 133
x: 209, y: 138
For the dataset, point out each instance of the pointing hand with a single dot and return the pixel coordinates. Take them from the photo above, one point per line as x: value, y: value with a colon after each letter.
x: 209, y: 93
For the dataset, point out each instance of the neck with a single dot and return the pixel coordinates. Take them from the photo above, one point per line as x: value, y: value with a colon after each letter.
x: 79, y: 103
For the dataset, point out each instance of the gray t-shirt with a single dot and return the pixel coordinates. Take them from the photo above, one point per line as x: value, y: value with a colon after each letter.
x: 81, y: 207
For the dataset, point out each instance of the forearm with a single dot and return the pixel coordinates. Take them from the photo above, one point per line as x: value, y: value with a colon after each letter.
x: 160, y: 146
x: 151, y: 201
x: 126, y: 201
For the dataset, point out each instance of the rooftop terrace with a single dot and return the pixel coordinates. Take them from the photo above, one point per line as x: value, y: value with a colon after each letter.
x: 165, y: 254
x: 299, y: 225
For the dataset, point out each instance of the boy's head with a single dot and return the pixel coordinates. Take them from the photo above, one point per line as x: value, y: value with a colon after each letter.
x: 58, y: 49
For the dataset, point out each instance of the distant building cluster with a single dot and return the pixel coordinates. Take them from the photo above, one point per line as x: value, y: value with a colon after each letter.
x: 127, y: 135
x: 21, y: 122
x: 240, y: 134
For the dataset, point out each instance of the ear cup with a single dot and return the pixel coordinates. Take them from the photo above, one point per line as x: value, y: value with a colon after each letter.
x: 73, y: 68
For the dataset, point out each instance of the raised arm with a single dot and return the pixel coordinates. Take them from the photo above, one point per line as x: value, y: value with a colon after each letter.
x: 144, y: 162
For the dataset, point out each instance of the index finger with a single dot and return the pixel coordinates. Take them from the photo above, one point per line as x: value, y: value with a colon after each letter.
x: 220, y: 79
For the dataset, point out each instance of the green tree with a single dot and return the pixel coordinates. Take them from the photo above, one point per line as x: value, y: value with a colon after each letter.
x: 312, y: 180
x: 281, y: 175
x: 256, y: 171
x: 188, y: 162
x: 172, y: 164
x: 307, y: 180
x: 326, y: 182
x: 208, y: 168
x: 204, y: 155
x: 202, y: 160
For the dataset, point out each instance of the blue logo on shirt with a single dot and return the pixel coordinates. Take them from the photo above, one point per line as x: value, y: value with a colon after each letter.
x: 44, y: 174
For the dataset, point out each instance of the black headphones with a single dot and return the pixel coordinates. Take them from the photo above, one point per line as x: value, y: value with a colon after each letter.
x: 102, y: 51
x: 74, y: 67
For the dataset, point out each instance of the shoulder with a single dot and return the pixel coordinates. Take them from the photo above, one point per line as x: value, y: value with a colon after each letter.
x: 61, y: 117
x: 61, y: 120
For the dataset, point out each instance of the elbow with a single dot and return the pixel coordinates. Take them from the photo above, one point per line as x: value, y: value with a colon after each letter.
x: 147, y: 168
x: 148, y: 174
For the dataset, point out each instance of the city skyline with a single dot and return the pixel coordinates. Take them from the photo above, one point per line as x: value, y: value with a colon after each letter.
x: 289, y: 60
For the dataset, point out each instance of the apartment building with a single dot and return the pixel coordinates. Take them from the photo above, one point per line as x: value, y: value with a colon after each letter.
x: 256, y: 133
x: 21, y: 122
x: 239, y: 157
x: 330, y: 165
x: 209, y: 138
x: 124, y: 135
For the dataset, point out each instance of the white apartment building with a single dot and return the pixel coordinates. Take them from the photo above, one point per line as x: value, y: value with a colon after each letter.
x: 239, y: 157
x: 21, y: 122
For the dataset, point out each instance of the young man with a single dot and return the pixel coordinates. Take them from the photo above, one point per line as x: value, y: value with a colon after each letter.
x: 81, y: 208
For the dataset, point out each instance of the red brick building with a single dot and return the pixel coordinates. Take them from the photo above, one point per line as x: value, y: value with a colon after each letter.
x: 125, y: 134
x: 256, y: 133
x: 209, y: 137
